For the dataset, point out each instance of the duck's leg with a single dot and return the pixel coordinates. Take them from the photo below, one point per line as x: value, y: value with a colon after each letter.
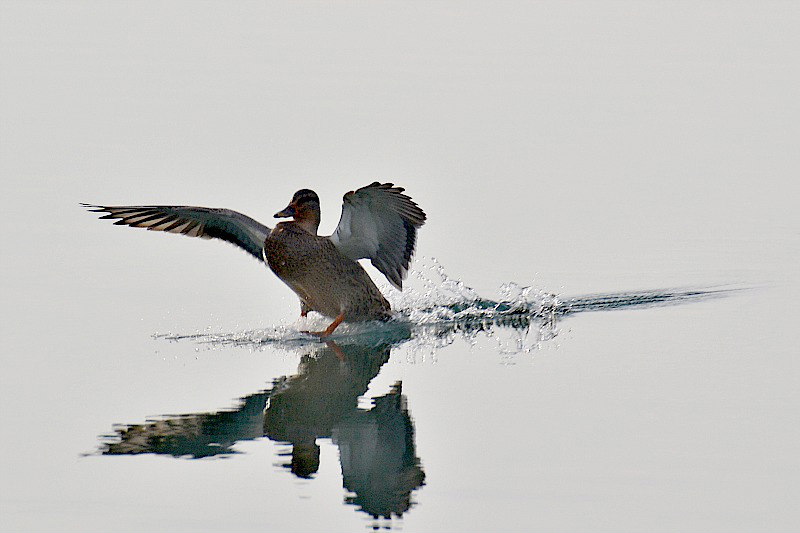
x: 327, y: 331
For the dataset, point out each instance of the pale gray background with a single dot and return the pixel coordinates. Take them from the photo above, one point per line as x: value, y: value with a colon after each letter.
x: 579, y: 147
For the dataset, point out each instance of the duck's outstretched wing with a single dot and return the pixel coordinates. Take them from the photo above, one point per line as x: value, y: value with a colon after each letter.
x: 202, y: 222
x: 380, y: 223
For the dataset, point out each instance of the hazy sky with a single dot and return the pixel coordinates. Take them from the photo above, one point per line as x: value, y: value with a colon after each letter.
x: 536, y: 134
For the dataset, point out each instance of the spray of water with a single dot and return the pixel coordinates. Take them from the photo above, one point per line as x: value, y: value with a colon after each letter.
x: 435, y: 309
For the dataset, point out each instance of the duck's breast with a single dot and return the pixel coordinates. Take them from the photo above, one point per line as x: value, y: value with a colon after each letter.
x: 325, y: 279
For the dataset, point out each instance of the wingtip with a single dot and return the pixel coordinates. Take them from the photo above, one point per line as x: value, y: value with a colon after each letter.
x: 92, y: 207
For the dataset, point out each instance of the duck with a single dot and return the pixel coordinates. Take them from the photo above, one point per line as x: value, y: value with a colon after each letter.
x: 378, y: 222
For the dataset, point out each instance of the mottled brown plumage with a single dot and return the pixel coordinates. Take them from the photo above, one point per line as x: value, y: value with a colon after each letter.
x: 323, y: 278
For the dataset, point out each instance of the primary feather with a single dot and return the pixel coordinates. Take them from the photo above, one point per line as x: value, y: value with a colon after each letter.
x: 203, y: 222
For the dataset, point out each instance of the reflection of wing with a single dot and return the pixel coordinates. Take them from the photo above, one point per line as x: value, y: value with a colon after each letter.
x: 379, y: 462
x: 380, y: 223
x: 203, y: 222
x: 197, y: 435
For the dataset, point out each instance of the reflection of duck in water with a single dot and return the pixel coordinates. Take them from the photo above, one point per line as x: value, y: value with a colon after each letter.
x: 311, y: 403
x: 376, y: 447
x: 378, y: 222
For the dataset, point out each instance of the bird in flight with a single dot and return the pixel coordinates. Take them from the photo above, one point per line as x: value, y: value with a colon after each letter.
x: 378, y: 223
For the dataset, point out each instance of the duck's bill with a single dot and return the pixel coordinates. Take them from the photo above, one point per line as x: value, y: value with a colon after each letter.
x: 286, y: 213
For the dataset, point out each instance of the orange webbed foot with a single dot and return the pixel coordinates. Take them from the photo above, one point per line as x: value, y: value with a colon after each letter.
x: 327, y: 331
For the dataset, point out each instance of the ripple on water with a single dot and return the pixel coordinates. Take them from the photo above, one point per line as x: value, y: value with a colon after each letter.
x: 434, y: 309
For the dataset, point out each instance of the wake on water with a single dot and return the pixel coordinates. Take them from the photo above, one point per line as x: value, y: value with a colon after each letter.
x: 444, y: 308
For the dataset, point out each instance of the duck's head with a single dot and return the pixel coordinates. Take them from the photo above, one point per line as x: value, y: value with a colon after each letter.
x: 304, y: 209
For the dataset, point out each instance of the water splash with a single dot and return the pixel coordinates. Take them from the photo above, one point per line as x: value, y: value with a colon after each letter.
x: 435, y: 309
